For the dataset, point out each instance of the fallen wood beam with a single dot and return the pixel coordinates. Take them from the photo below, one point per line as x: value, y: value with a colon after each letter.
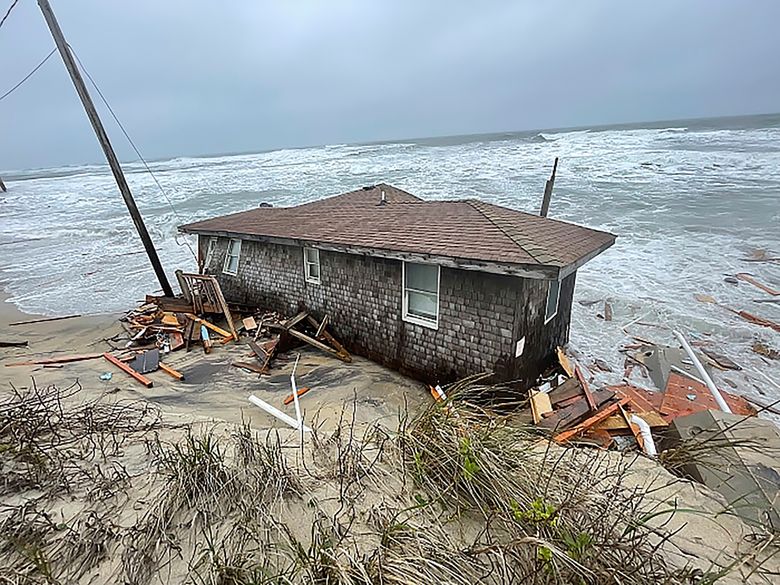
x: 590, y: 422
x: 293, y: 321
x: 171, y: 372
x: 13, y: 344
x: 585, y: 388
x: 249, y: 366
x: 322, y: 326
x: 290, y: 398
x: 45, y: 320
x: 128, y: 370
x: 211, y: 326
x: 323, y: 333
x: 59, y: 360
x: 319, y: 345
x: 748, y: 278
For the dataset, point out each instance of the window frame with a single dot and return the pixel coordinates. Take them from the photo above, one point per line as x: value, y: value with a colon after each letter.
x: 228, y: 256
x: 416, y: 319
x: 306, y: 264
x: 548, y: 318
x: 211, y: 246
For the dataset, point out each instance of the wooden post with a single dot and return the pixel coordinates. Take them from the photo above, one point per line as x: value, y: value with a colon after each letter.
x: 102, y: 137
x: 548, y: 187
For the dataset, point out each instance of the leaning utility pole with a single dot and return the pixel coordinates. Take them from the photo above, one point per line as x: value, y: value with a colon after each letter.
x: 548, y: 187
x: 102, y: 137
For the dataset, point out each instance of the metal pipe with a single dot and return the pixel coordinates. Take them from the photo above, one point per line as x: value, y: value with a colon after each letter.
x: 647, y: 436
x: 702, y: 372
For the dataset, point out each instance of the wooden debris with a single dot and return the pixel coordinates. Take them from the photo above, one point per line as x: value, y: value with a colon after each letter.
x: 249, y: 323
x: 58, y: 360
x: 585, y: 388
x: 128, y: 370
x: 564, y: 417
x: 319, y: 345
x: 13, y: 343
x: 590, y: 422
x: 324, y: 334
x: 170, y: 319
x: 565, y: 362
x: 607, y: 311
x: 765, y: 350
x: 249, y: 366
x: 171, y: 372
x: 45, y: 320
x: 321, y: 328
x: 759, y: 320
x: 616, y: 422
x: 748, y: 278
x: 569, y: 389
x: 293, y: 321
x: 203, y: 288
x: 211, y: 326
x: 540, y: 405
x: 290, y: 398
x: 721, y: 361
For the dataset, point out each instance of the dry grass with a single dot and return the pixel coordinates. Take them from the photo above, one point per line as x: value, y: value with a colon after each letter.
x: 456, y: 495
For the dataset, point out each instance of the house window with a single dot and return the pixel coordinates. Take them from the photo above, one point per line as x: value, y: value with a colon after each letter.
x: 421, y: 294
x: 232, y: 257
x: 311, y: 265
x: 553, y: 293
x: 210, y: 253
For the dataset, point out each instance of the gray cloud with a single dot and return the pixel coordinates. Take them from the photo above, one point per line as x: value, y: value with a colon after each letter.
x: 207, y: 77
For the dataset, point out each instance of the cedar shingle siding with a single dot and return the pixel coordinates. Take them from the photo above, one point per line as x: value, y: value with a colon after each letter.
x: 481, y: 315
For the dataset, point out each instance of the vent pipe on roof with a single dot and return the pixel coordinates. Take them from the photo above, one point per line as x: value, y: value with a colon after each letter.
x: 383, y: 199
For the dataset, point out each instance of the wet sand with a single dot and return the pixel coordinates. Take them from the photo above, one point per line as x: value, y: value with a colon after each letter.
x: 212, y: 389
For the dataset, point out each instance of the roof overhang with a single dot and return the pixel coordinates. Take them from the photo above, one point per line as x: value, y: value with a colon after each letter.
x: 542, y: 272
x: 567, y: 270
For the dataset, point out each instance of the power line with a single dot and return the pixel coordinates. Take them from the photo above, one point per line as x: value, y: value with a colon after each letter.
x: 13, y: 4
x: 137, y: 152
x: 28, y: 76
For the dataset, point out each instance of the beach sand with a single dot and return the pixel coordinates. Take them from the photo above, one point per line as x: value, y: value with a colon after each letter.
x: 213, y: 398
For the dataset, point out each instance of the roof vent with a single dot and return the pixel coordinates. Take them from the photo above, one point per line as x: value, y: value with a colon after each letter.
x: 383, y: 199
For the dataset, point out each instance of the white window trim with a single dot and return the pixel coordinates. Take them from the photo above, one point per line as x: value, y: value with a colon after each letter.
x: 308, y: 277
x: 212, y: 244
x: 430, y: 324
x: 226, y: 263
x: 557, y: 300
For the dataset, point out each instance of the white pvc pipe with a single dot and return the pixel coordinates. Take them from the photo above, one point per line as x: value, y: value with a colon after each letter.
x: 702, y: 372
x: 298, y: 414
x: 647, y: 436
x: 278, y: 413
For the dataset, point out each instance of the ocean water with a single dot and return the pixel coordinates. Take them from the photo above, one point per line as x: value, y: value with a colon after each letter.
x: 688, y: 200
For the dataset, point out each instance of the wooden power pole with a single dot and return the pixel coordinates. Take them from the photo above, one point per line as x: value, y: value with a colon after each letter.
x: 548, y: 187
x: 102, y: 137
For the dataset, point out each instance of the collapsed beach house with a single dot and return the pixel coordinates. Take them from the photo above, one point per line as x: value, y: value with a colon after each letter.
x: 436, y: 289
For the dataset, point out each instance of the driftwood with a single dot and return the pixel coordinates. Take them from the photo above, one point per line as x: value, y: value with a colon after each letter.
x: 59, y: 360
x: 45, y: 320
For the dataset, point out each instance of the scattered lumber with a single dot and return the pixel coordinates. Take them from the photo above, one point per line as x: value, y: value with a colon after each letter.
x: 590, y: 422
x: 128, y: 370
x: 171, y: 372
x: 564, y: 417
x: 44, y: 320
x: 58, y: 360
x: 540, y: 405
x: 319, y: 345
x: 211, y: 326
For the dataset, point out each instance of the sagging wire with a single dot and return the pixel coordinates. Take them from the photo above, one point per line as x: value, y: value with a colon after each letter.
x: 137, y: 152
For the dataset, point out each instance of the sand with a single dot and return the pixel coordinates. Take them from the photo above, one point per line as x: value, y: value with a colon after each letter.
x: 213, y: 399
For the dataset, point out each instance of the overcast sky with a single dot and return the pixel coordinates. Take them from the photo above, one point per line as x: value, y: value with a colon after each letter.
x: 192, y: 77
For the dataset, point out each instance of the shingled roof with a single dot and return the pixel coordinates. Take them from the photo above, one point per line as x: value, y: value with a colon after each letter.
x: 469, y: 232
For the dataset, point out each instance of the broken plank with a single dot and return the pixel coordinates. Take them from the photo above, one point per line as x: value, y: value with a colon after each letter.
x: 249, y: 323
x: 332, y: 340
x: 322, y: 326
x: 590, y: 422
x: 258, y: 350
x: 13, y: 344
x: 565, y: 362
x: 540, y: 405
x: 569, y: 389
x: 293, y: 321
x: 585, y: 388
x: 748, y: 278
x: 248, y: 366
x: 44, y: 320
x: 59, y: 360
x: 319, y: 345
x: 290, y: 398
x: 617, y: 423
x: 211, y: 326
x: 171, y: 372
x: 128, y: 370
